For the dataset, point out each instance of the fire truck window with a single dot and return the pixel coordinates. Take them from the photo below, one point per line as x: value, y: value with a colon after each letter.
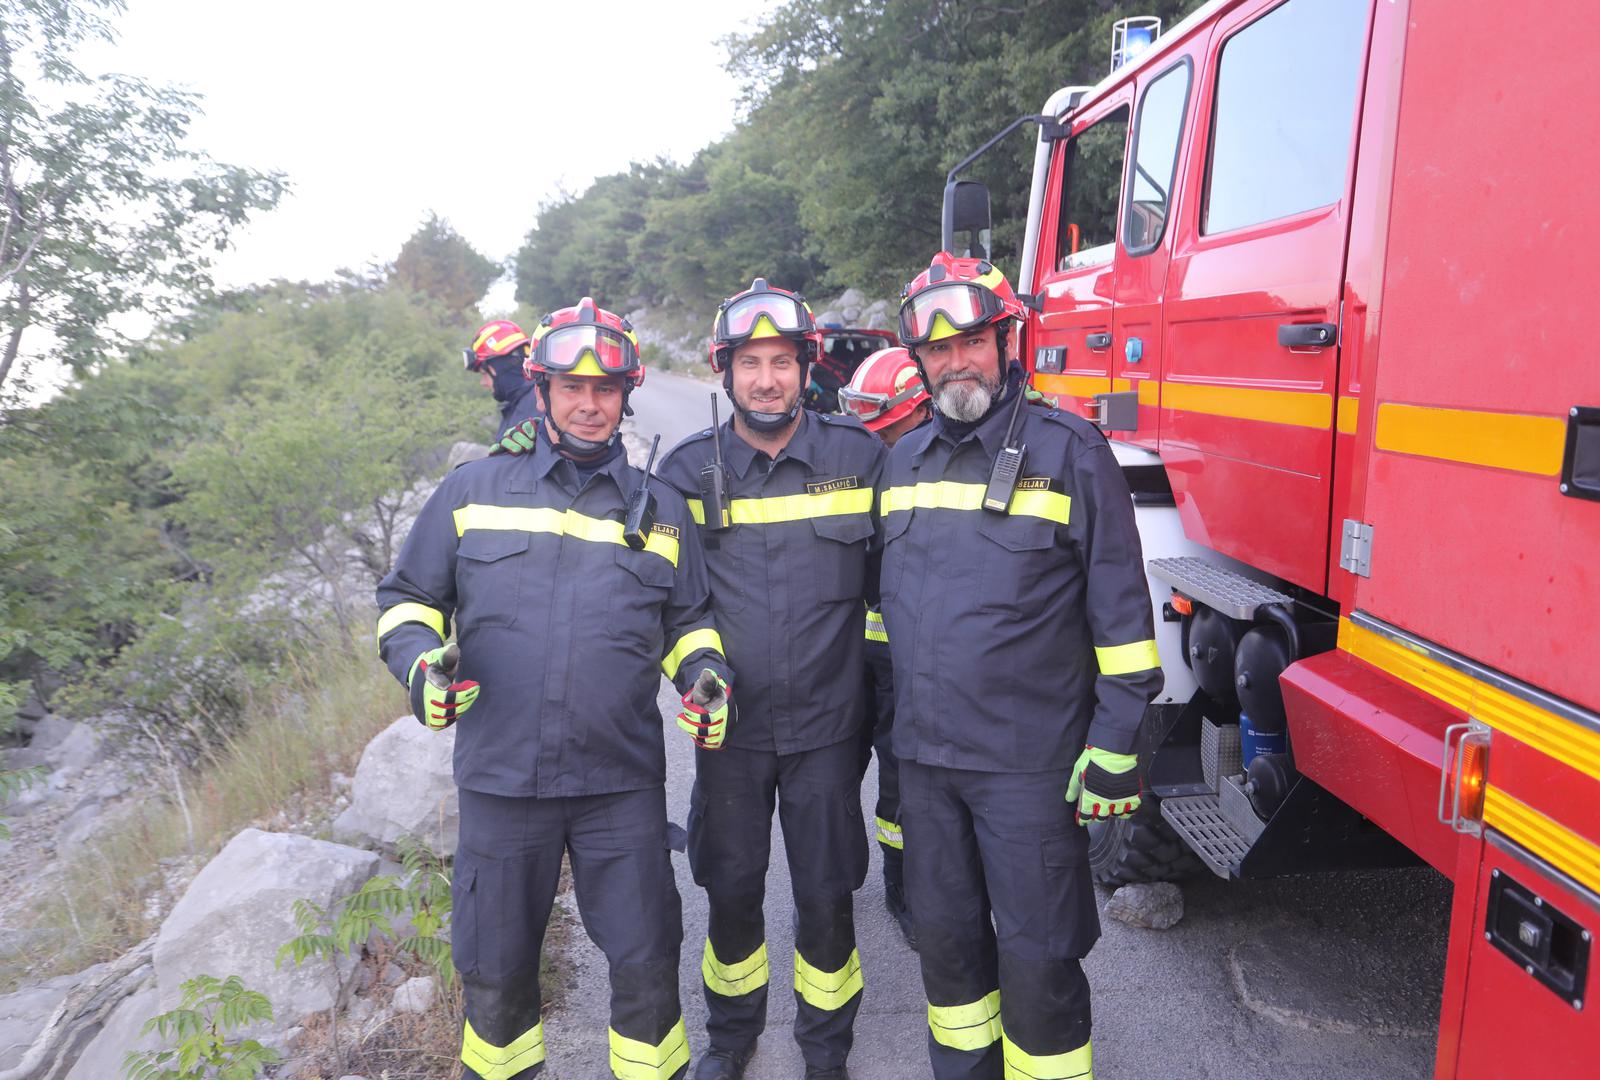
x: 1285, y: 108
x: 1088, y: 229
x: 1155, y: 154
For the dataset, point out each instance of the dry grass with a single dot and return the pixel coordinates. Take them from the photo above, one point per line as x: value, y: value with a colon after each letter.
x: 113, y: 893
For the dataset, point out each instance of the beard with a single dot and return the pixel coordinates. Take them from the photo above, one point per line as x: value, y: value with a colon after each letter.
x: 965, y: 396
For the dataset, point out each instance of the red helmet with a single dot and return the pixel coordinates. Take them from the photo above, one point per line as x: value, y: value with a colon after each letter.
x: 885, y: 389
x: 763, y: 311
x: 953, y: 295
x: 498, y: 338
x: 585, y: 340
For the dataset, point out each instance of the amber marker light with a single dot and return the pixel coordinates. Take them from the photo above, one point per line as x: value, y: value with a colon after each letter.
x: 1182, y: 604
x: 1473, y: 775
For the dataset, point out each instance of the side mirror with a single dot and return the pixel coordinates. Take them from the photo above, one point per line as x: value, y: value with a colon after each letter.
x: 965, y: 229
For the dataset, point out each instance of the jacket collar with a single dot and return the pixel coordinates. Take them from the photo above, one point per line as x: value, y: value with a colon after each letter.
x: 805, y: 447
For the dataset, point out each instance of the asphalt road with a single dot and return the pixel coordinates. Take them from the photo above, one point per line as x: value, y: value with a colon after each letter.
x: 1318, y: 977
x: 674, y: 406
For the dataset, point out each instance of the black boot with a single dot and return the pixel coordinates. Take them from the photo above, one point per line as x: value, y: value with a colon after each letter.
x: 816, y: 1072
x: 723, y: 1064
x: 894, y: 898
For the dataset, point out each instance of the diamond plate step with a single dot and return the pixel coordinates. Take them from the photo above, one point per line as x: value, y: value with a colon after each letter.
x: 1198, y: 819
x: 1217, y: 587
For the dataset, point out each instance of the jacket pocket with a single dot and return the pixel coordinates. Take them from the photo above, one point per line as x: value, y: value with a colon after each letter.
x: 639, y: 588
x: 840, y: 556
x: 894, y: 552
x: 1015, y: 557
x: 489, y: 576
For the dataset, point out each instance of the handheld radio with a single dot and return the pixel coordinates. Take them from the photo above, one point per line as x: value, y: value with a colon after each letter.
x: 714, y: 481
x: 1007, y: 464
x: 637, y: 520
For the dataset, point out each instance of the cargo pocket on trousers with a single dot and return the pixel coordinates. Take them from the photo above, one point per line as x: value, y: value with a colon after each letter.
x: 697, y: 835
x: 1069, y: 895
x: 464, y: 914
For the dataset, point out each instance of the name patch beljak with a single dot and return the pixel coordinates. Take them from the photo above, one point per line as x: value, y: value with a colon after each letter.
x: 844, y: 483
x: 665, y: 530
x: 1034, y: 483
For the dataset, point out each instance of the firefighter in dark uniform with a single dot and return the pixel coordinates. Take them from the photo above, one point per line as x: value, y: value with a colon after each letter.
x: 1024, y: 656
x: 887, y: 395
x: 498, y: 355
x: 788, y: 568
x: 564, y: 623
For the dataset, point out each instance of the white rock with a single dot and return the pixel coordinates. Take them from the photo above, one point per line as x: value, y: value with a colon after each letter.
x: 51, y: 731
x: 239, y: 910
x: 102, y: 1058
x: 415, y: 995
x: 404, y: 787
x: 1157, y: 906
x: 23, y: 1013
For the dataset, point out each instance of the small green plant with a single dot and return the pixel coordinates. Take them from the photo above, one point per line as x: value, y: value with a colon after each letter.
x: 421, y: 894
x: 211, y: 1008
x: 14, y: 782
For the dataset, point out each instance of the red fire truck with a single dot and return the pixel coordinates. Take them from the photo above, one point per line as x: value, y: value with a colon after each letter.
x: 1321, y: 269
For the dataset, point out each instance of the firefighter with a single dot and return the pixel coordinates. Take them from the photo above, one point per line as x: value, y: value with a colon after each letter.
x: 886, y: 394
x: 498, y: 355
x: 1024, y: 656
x: 788, y: 579
x: 561, y: 619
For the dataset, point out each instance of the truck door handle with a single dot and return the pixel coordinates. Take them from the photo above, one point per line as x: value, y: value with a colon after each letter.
x: 1307, y: 335
x: 1098, y: 341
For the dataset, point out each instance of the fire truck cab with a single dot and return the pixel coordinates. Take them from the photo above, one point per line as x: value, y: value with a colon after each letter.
x: 1321, y: 269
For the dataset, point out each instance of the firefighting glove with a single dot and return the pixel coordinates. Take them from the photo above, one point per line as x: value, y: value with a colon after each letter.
x: 519, y: 440
x: 437, y: 699
x: 1036, y: 398
x: 707, y: 711
x: 1104, y: 785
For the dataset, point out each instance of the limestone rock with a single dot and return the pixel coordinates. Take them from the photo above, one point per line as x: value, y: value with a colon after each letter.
x: 404, y: 787
x: 1157, y: 906
x: 102, y: 1058
x: 415, y: 995
x: 239, y: 910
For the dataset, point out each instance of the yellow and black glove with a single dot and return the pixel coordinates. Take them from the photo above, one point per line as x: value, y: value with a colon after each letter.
x: 1104, y: 785
x: 437, y: 699
x: 707, y: 711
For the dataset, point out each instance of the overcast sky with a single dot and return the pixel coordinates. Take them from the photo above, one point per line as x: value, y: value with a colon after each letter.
x: 477, y: 109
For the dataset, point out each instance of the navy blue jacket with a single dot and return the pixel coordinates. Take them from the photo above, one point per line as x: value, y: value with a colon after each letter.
x: 565, y: 627
x: 789, y: 576
x: 1017, y: 636
x: 523, y: 405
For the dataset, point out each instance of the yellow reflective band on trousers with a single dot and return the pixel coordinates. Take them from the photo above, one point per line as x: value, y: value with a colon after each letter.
x: 545, y: 519
x: 635, y: 1060
x: 777, y: 509
x: 502, y: 1062
x: 692, y: 642
x: 432, y: 618
x: 889, y: 834
x: 950, y: 495
x: 731, y: 980
x: 1126, y: 659
x: 1073, y: 1065
x: 829, y: 990
x: 876, y: 631
x: 973, y: 1026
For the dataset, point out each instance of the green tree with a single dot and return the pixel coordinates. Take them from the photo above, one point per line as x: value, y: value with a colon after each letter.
x: 437, y: 261
x: 211, y: 1008
x: 103, y: 209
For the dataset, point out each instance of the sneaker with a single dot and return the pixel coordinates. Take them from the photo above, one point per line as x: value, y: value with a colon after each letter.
x: 723, y: 1064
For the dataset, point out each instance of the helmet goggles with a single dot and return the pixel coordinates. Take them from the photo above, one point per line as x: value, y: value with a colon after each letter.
x: 741, y: 318
x: 963, y: 305
x: 563, y: 350
x: 867, y: 407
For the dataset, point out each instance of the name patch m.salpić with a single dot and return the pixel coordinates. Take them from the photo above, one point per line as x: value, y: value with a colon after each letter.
x: 843, y: 483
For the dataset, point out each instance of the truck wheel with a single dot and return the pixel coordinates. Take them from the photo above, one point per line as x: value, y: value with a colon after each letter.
x: 1139, y: 848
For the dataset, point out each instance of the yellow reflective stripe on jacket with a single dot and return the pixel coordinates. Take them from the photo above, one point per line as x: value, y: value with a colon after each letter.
x: 966, y: 1027
x: 432, y: 618
x: 731, y: 980
x: 876, y: 631
x: 776, y: 509
x: 1072, y: 1065
x: 635, y: 1060
x: 502, y: 1062
x: 545, y: 519
x: 829, y: 990
x: 1126, y: 659
x: 950, y: 495
x: 889, y: 834
x: 690, y: 643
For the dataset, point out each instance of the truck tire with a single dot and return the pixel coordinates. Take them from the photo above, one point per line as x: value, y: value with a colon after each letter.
x: 1139, y: 848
